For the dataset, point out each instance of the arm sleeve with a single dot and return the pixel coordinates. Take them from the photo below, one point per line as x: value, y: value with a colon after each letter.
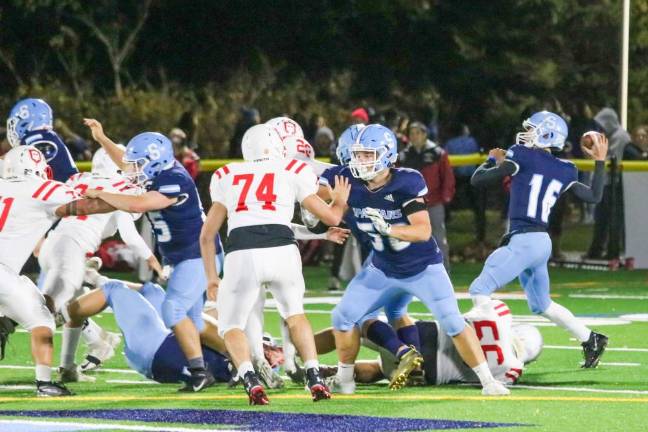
x: 302, y: 233
x: 594, y: 193
x: 327, y: 178
x: 488, y: 173
x: 170, y: 186
x: 305, y: 183
x: 130, y: 236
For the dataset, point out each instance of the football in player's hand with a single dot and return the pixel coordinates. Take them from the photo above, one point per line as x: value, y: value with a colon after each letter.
x: 587, y: 140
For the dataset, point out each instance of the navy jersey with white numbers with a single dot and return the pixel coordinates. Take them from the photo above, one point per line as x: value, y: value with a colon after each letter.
x: 58, y: 156
x: 177, y: 227
x: 396, y: 258
x: 536, y: 185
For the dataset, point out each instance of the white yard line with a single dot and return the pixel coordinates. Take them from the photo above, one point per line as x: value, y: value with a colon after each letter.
x: 103, y: 426
x: 580, y: 389
x: 609, y: 296
x: 131, y: 382
x: 124, y: 371
x: 17, y: 387
x: 622, y: 349
x: 620, y: 364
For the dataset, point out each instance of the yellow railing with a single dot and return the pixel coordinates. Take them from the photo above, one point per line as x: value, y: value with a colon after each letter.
x: 207, y: 165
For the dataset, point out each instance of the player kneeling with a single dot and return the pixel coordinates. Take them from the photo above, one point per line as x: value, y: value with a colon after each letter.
x: 257, y: 197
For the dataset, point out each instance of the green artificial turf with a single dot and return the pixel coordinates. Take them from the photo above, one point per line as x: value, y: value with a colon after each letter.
x: 613, y: 397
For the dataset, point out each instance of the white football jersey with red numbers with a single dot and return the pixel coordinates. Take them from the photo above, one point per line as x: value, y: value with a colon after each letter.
x: 89, y: 230
x: 493, y: 325
x: 260, y: 193
x: 27, y: 211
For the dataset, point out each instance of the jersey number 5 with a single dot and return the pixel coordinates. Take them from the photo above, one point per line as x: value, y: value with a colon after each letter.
x: 6, y: 206
x: 264, y: 193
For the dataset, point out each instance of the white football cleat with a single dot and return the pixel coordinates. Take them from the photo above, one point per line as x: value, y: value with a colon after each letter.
x: 335, y: 385
x: 100, y: 353
x: 495, y: 388
x: 268, y: 376
x: 92, y: 267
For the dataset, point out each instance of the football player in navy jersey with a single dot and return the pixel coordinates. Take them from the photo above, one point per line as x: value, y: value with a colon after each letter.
x: 173, y: 206
x: 400, y: 333
x: 30, y: 122
x: 538, y: 179
x: 388, y: 210
x: 150, y: 348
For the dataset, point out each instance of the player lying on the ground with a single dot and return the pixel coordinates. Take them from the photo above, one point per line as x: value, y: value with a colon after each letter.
x: 173, y: 205
x: 150, y: 348
x: 507, y: 349
x: 63, y: 254
x: 538, y: 179
x: 30, y: 205
x: 387, y: 206
x: 257, y: 197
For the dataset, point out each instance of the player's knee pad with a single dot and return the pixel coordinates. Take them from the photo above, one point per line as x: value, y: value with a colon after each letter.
x: 538, y: 305
x: 172, y: 312
x: 341, y: 318
x: 452, y: 324
x: 484, y: 284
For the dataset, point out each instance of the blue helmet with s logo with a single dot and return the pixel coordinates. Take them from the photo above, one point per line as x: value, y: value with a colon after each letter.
x: 147, y: 155
x: 373, y: 151
x: 28, y: 115
x: 543, y: 129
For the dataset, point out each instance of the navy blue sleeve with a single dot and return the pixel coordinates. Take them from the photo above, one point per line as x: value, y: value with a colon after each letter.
x: 328, y: 176
x: 171, y: 185
x: 412, y: 186
x: 518, y: 155
x: 56, y: 152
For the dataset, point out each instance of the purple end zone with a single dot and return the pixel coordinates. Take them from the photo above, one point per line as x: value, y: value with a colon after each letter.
x: 264, y: 421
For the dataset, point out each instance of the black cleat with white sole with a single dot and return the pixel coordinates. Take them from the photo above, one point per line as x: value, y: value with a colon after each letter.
x: 51, y: 389
x: 593, y: 349
x: 200, y: 379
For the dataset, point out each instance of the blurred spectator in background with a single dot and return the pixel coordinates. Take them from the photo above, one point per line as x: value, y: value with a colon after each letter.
x: 582, y: 121
x: 78, y: 147
x: 324, y: 142
x: 310, y: 129
x: 432, y: 162
x: 359, y: 115
x: 249, y: 118
x: 638, y: 148
x: 608, y: 120
x: 430, y: 117
x: 186, y: 156
x: 462, y: 143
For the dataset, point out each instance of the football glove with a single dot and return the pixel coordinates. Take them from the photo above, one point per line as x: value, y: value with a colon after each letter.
x: 380, y: 224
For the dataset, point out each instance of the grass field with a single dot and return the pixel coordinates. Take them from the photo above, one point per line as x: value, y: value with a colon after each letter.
x: 554, y: 393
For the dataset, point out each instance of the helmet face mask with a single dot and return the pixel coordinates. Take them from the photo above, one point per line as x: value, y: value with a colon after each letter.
x: 373, y: 151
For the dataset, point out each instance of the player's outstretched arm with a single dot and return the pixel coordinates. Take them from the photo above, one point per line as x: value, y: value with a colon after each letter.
x: 213, y: 223
x: 330, y: 215
x: 149, y: 201
x: 84, y: 207
x: 494, y: 169
x: 598, y: 152
x: 115, y: 153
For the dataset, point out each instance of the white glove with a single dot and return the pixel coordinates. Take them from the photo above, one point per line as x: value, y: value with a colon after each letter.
x: 381, y: 225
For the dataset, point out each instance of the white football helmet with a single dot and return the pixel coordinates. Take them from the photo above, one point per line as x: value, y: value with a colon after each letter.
x: 103, y: 165
x: 527, y: 342
x: 299, y: 148
x: 261, y: 142
x: 286, y: 127
x: 25, y: 161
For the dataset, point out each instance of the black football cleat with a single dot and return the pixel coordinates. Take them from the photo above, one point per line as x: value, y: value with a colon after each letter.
x: 200, y: 379
x: 298, y: 376
x: 593, y: 350
x: 7, y: 327
x: 316, y: 385
x: 254, y: 389
x: 51, y: 389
